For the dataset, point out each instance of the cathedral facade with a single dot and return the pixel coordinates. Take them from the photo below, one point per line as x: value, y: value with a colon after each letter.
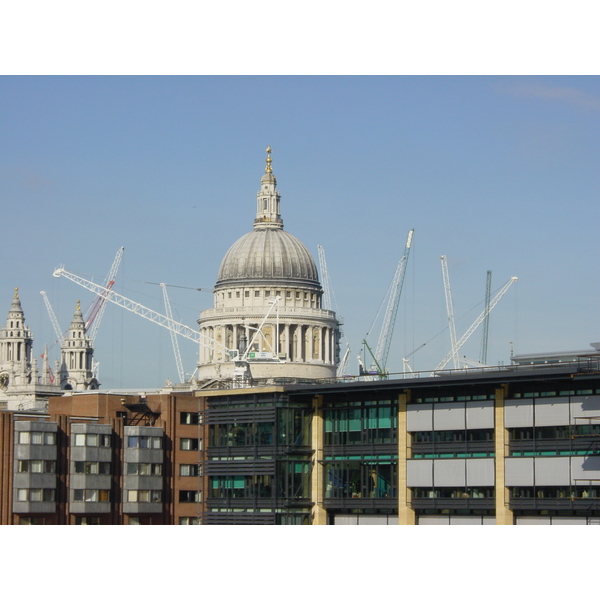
x: 267, y: 313
x: 23, y: 385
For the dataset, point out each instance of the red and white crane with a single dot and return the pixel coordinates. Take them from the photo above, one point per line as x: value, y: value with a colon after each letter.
x: 96, y: 310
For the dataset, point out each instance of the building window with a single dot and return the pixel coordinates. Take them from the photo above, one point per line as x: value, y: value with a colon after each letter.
x: 267, y: 293
x: 189, y: 496
x: 144, y: 468
x: 91, y: 495
x: 190, y: 470
x: 257, y: 293
x: 189, y: 521
x: 32, y: 521
x: 92, y: 439
x: 246, y: 294
x: 37, y: 466
x: 92, y: 468
x: 190, y: 418
x: 36, y: 495
x: 143, y: 496
x: 144, y: 441
x: 189, y: 444
x: 87, y: 520
x: 37, y: 437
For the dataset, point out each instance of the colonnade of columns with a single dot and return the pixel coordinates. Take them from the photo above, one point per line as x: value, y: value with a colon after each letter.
x: 300, y: 342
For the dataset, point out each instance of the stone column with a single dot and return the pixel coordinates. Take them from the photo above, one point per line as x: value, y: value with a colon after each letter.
x: 504, y: 516
x: 319, y: 514
x: 406, y: 515
x: 286, y: 340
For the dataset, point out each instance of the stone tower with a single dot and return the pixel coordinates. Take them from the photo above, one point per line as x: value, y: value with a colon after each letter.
x: 16, y: 342
x: 76, y: 356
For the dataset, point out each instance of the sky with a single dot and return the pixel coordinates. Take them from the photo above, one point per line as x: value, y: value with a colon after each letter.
x: 125, y: 124
x: 497, y: 173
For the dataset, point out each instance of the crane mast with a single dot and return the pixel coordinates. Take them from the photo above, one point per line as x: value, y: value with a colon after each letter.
x: 387, y: 328
x: 475, y: 324
x: 486, y: 321
x: 94, y: 318
x: 325, y: 279
x: 450, y: 310
x: 57, y: 330
x: 174, y: 341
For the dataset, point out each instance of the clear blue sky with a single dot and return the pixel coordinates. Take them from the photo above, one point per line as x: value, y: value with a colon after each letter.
x: 497, y: 173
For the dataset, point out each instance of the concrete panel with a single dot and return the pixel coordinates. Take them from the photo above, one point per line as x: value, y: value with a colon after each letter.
x: 551, y: 470
x: 449, y: 472
x: 480, y: 472
x: 81, y: 481
x: 35, y: 452
x: 433, y: 520
x: 518, y: 471
x: 419, y: 473
x: 584, y: 468
x: 142, y: 482
x: 345, y: 520
x: 518, y: 413
x: 419, y: 417
x: 585, y: 406
x: 465, y: 520
x: 569, y: 521
x: 480, y: 414
x: 551, y: 411
x: 373, y: 519
x: 533, y: 521
x: 90, y: 454
x: 449, y: 415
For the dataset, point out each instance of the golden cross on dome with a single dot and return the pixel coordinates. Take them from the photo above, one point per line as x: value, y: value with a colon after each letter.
x: 268, y: 167
x: 16, y: 293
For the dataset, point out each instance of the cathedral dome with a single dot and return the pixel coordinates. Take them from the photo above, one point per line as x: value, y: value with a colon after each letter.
x: 268, y: 256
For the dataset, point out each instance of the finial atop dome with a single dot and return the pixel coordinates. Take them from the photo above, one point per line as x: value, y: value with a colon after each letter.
x: 15, y: 306
x: 267, y: 208
x: 268, y: 168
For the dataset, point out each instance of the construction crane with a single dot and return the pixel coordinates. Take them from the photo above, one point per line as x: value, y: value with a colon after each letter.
x: 174, y: 341
x: 57, y: 330
x: 96, y: 311
x: 476, y: 323
x: 341, y: 370
x: 146, y: 313
x: 324, y: 280
x: 486, y: 321
x: 380, y: 355
x: 450, y: 310
x: 241, y: 370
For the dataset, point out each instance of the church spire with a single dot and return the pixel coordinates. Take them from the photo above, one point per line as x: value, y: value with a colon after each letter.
x: 267, y: 199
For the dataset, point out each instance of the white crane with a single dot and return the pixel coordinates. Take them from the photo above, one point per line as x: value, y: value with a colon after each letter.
x: 450, y: 310
x: 174, y: 341
x: 96, y: 311
x: 147, y: 313
x: 341, y: 370
x: 387, y: 329
x: 241, y: 370
x: 486, y: 322
x: 476, y: 323
x: 57, y: 330
x: 324, y: 279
